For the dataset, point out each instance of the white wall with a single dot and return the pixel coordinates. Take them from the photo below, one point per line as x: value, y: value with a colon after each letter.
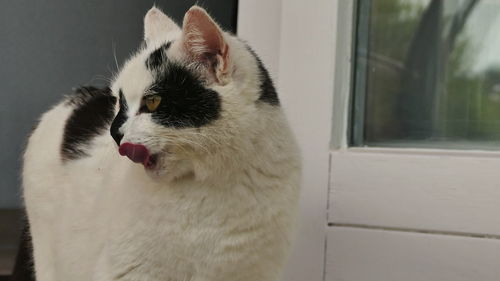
x: 286, y: 35
x: 259, y: 23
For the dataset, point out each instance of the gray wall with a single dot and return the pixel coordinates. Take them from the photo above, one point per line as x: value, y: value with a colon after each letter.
x: 49, y: 47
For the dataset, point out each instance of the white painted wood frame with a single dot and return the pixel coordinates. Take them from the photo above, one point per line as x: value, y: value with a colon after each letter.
x: 356, y: 254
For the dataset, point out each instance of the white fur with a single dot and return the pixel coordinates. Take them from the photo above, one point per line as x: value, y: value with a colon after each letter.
x: 220, y: 208
x: 157, y: 24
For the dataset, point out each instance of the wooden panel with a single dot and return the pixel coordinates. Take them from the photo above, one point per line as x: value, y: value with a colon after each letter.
x: 377, y: 255
x: 428, y: 190
x: 10, y: 231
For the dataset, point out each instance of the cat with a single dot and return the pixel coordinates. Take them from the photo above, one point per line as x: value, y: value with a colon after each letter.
x: 184, y: 169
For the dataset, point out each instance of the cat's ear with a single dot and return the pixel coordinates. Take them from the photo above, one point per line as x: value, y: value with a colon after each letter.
x: 204, y: 43
x: 157, y: 24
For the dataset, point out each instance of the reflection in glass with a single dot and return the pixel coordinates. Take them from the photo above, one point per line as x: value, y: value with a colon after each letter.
x: 427, y: 74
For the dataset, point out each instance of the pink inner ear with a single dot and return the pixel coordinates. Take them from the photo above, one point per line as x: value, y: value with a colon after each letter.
x: 202, y: 36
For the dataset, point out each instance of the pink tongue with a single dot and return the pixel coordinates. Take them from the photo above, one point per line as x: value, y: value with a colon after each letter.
x: 138, y: 153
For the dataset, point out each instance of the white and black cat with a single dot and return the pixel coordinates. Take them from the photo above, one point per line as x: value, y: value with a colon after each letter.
x: 209, y: 186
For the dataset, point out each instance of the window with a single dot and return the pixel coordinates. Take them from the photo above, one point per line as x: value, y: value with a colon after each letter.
x: 394, y: 213
x: 427, y: 74
x: 415, y: 141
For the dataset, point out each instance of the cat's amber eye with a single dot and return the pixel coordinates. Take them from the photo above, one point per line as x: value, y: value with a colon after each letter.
x: 152, y: 102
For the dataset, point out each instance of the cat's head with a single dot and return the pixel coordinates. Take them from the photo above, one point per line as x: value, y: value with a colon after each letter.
x: 190, y: 98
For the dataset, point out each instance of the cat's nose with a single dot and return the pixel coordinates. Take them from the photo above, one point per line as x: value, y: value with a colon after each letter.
x: 138, y: 153
x: 117, y: 136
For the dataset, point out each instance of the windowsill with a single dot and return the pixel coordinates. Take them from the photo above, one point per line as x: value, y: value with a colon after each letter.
x: 431, y: 144
x: 449, y: 150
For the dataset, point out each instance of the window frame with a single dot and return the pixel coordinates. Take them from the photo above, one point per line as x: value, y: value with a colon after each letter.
x: 348, y: 189
x: 316, y: 96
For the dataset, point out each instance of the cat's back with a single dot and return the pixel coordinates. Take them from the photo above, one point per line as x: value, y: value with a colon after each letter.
x: 66, y: 133
x: 62, y: 166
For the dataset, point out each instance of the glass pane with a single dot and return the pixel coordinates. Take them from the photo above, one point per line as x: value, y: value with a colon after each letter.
x: 427, y: 74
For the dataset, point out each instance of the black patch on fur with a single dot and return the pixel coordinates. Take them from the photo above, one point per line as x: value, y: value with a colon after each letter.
x: 120, y: 118
x: 185, y: 101
x: 268, y: 92
x: 158, y: 57
x: 93, y: 112
x: 83, y: 95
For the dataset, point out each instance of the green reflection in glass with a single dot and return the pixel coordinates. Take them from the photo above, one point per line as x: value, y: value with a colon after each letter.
x: 427, y: 74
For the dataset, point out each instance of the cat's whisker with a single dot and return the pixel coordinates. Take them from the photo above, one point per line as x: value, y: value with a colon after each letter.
x: 207, y: 136
x: 104, y: 78
x: 112, y: 73
x: 99, y: 78
x: 192, y: 143
x: 114, y: 56
x: 171, y: 142
x: 202, y: 137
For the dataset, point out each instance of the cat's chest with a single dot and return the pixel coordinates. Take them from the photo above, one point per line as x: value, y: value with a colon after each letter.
x: 184, y: 223
x: 135, y: 200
